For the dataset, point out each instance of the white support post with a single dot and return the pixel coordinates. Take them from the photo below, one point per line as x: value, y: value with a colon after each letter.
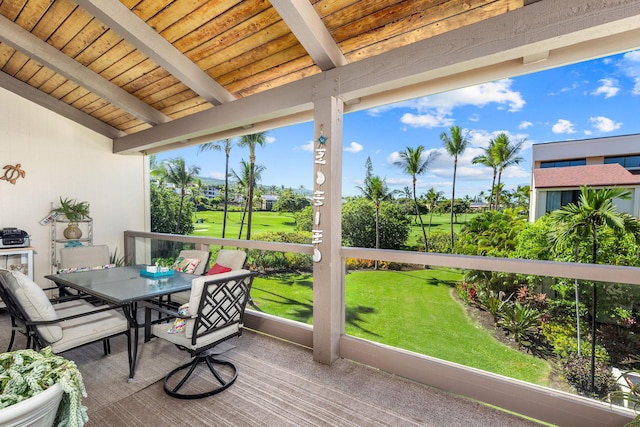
x: 328, y: 269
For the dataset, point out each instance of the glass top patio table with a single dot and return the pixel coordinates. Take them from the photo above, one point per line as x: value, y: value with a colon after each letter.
x: 123, y: 284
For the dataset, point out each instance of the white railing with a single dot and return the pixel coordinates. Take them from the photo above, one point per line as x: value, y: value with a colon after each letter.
x: 542, y: 403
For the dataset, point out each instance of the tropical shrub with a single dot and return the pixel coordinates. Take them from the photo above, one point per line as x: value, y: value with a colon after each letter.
x: 577, y: 371
x: 521, y: 320
x: 359, y: 225
x: 562, y: 337
x: 261, y: 259
x: 491, y: 233
x: 493, y: 302
x: 304, y: 219
x: 165, y: 205
x: 621, y: 342
x: 439, y: 241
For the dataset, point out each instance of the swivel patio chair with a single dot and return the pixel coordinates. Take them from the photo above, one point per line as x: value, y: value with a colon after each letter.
x: 62, y: 323
x: 214, y: 315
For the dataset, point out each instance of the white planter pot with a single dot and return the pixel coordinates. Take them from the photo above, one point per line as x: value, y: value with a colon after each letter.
x: 37, y: 411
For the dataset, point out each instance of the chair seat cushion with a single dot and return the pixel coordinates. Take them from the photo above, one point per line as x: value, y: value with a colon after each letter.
x: 85, y: 329
x: 180, y: 338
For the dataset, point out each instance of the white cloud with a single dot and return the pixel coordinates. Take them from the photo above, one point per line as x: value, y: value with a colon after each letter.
x: 309, y: 146
x: 563, y: 126
x: 437, y: 110
x: 438, y: 119
x: 608, y: 87
x: 216, y: 175
x: 354, y: 147
x: 604, y: 124
x: 525, y: 124
x: 630, y: 66
x: 269, y: 139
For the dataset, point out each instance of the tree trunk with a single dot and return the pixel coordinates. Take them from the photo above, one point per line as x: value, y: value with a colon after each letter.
x: 226, y: 194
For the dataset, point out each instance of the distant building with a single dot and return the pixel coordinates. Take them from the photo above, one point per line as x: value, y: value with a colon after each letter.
x: 211, y: 191
x: 268, y: 201
x: 561, y: 168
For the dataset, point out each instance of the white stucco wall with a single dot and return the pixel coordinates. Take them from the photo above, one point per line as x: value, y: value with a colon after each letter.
x: 62, y: 158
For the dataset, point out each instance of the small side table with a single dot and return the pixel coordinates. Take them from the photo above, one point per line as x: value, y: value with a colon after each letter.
x: 26, y: 259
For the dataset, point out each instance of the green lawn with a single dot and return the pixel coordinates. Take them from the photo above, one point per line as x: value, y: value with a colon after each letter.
x: 261, y: 222
x: 275, y: 221
x: 411, y: 310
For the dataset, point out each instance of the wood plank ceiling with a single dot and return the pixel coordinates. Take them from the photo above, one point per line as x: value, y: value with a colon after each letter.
x: 125, y: 66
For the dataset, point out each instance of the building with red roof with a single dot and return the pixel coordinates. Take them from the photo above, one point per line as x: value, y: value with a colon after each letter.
x: 561, y: 168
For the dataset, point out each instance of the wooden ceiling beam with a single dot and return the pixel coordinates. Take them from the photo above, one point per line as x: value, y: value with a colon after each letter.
x: 65, y: 110
x: 47, y: 55
x: 306, y: 25
x: 127, y: 24
x: 547, y: 25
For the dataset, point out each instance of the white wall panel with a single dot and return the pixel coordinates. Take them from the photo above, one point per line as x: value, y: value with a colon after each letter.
x: 62, y: 158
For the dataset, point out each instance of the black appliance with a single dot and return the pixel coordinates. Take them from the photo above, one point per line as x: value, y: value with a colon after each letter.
x: 13, y: 238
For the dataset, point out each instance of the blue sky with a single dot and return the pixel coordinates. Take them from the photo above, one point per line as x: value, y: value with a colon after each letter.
x: 592, y: 99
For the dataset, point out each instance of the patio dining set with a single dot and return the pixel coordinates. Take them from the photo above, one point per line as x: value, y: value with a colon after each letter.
x: 191, y: 305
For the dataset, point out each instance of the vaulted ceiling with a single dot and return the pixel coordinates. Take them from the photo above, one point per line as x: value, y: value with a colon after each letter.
x: 125, y: 67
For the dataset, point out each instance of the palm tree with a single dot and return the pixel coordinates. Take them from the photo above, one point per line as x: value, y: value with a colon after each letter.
x: 227, y: 150
x: 505, y: 155
x: 455, y: 144
x: 522, y: 195
x: 376, y: 190
x: 244, y: 186
x: 251, y: 141
x: 178, y: 175
x: 412, y: 163
x: 488, y: 159
x: 593, y: 213
x: 196, y: 195
x: 432, y: 198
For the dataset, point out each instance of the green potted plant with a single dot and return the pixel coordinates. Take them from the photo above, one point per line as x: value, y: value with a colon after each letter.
x: 163, y: 264
x: 74, y: 211
x: 40, y: 389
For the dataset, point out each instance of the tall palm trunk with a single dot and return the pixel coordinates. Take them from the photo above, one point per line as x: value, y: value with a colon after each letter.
x: 415, y: 201
x: 493, y: 190
x: 497, y: 206
x: 377, y: 231
x: 453, y: 199
x: 250, y: 199
x: 244, y: 214
x: 226, y: 192
x: 182, y: 195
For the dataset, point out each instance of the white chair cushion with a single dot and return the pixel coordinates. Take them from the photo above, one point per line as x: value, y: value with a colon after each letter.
x: 234, y: 259
x: 85, y: 329
x: 180, y: 338
x: 203, y: 256
x: 84, y: 257
x: 35, y: 304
